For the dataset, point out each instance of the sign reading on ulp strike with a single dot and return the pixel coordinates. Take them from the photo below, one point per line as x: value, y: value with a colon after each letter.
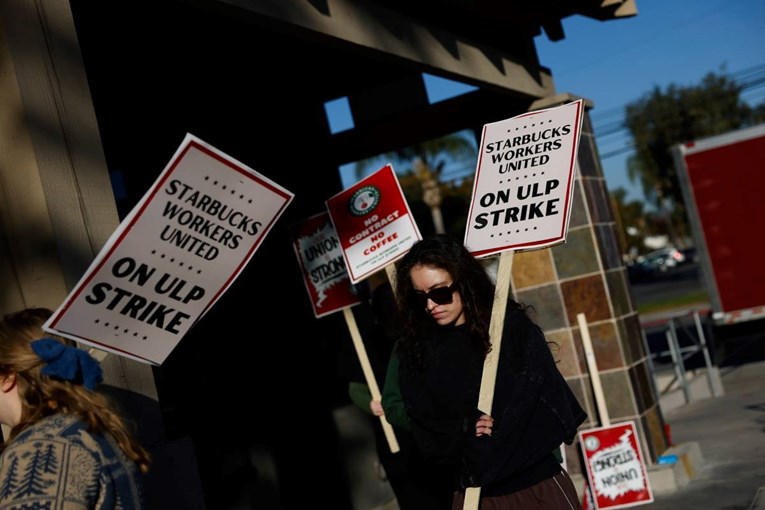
x: 524, y: 181
x: 374, y: 223
x: 173, y: 256
x: 321, y: 260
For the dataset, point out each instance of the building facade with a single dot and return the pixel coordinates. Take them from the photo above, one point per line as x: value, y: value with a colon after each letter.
x: 95, y: 98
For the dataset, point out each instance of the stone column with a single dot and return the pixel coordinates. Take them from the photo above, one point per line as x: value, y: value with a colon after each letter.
x: 586, y: 275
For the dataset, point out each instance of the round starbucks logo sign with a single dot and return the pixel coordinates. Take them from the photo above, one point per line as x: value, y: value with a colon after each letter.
x: 364, y: 200
x: 592, y: 443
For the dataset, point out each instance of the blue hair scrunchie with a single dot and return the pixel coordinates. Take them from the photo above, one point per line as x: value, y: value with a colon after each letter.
x: 68, y: 363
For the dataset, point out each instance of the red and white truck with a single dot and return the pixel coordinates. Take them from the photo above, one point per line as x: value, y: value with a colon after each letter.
x: 723, y: 183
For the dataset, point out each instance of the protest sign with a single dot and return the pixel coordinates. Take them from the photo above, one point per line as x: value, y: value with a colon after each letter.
x: 522, y: 193
x: 615, y: 469
x: 321, y: 260
x: 173, y: 256
x: 524, y: 181
x: 374, y: 223
x: 320, y: 256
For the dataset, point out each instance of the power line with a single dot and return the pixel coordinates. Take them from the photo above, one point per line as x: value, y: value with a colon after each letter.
x: 745, y: 77
x: 750, y: 80
x: 616, y: 152
x: 614, y: 132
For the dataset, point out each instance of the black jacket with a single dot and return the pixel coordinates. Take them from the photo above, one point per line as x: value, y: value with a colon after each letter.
x: 534, y: 410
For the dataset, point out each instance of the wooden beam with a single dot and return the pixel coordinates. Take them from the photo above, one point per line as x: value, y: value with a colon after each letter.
x: 61, y: 208
x: 365, y: 26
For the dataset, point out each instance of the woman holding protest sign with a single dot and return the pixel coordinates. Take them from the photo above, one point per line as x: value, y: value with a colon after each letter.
x: 415, y: 488
x: 446, y: 296
x: 67, y: 446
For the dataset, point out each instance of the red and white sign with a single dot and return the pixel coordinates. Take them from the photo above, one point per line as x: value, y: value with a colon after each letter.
x: 615, y: 469
x: 173, y: 256
x: 321, y: 260
x: 374, y: 223
x: 524, y: 181
x: 587, y: 502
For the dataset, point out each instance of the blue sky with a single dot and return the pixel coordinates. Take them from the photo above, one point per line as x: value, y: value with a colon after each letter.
x: 616, y: 62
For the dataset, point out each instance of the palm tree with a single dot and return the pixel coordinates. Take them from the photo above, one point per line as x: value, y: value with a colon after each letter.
x: 426, y: 161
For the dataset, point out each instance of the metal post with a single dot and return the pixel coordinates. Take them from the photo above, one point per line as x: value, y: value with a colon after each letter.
x: 677, y: 360
x: 713, y: 377
x: 651, y: 366
x: 652, y: 382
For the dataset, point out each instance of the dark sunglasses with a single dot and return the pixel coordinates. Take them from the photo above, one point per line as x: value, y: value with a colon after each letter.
x: 439, y: 295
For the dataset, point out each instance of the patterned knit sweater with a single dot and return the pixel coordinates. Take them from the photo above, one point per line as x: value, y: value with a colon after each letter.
x: 57, y: 464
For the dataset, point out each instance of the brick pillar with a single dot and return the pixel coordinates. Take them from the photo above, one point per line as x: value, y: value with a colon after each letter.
x: 586, y: 275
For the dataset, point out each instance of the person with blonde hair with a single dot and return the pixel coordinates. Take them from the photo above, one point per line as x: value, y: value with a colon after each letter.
x: 67, y: 447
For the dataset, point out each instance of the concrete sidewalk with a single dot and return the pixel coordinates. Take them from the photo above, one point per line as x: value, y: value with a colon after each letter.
x: 730, y: 433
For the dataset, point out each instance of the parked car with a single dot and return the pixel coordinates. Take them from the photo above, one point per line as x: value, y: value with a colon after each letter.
x: 665, y: 259
x: 655, y: 263
x: 691, y: 255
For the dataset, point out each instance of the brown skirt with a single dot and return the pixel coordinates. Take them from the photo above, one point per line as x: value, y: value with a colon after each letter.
x: 556, y: 493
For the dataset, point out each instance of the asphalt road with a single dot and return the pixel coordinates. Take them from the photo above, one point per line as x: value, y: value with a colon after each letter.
x: 729, y: 345
x: 682, y: 281
x: 728, y: 429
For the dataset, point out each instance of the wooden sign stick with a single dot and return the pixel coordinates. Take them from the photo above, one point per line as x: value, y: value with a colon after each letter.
x: 592, y: 366
x: 374, y: 390
x: 390, y: 270
x: 489, y: 376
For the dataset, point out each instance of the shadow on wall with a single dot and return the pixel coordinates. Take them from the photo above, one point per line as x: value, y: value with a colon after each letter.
x: 173, y: 480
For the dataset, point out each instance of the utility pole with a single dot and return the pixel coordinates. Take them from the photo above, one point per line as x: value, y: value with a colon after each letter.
x: 431, y: 193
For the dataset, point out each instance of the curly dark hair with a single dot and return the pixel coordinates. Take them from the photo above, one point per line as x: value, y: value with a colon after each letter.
x: 471, y: 280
